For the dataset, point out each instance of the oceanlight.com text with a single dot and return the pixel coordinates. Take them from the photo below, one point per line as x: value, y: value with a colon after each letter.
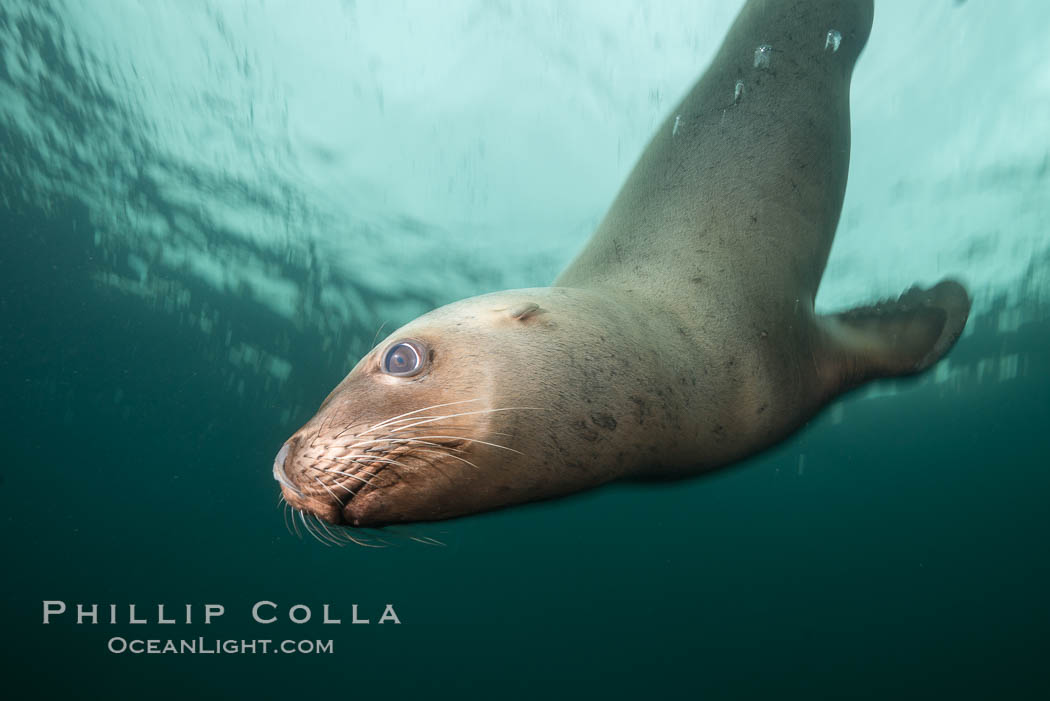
x: 214, y: 646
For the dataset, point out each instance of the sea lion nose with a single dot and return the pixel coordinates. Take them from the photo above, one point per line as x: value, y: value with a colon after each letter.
x: 278, y: 469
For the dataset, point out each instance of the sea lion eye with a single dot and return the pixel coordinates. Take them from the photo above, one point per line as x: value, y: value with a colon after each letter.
x: 404, y: 359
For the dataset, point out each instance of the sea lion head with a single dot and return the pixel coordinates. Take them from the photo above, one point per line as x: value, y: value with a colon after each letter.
x: 456, y: 412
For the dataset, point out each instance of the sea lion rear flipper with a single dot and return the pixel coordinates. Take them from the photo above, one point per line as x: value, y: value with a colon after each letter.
x: 895, y: 337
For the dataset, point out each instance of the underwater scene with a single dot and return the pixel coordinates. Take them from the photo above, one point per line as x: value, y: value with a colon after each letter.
x: 212, y: 210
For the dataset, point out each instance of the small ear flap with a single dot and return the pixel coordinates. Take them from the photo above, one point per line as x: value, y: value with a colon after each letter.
x: 895, y: 337
x: 523, y: 311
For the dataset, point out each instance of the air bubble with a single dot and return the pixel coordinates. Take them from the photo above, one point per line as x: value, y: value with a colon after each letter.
x: 763, y: 54
x: 833, y: 40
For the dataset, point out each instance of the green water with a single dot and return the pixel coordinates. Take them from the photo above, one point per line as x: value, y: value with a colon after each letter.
x: 894, y: 548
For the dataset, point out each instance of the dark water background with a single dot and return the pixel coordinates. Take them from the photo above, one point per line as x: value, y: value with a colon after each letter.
x: 896, y: 547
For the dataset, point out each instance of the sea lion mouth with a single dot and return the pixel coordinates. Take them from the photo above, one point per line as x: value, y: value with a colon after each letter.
x: 333, y: 502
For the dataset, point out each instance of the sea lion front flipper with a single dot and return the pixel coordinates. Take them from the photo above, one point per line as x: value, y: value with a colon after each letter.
x: 748, y: 172
x: 894, y: 337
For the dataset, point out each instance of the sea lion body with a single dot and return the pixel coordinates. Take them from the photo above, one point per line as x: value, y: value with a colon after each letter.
x: 682, y: 338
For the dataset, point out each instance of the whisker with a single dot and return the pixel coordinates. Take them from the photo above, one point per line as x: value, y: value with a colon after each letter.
x: 327, y: 535
x: 378, y: 535
x: 359, y: 444
x: 320, y: 522
x: 409, y: 413
x: 285, y: 516
x: 427, y: 428
x: 408, y: 440
x: 450, y: 455
x: 458, y: 438
x: 426, y: 420
x: 295, y: 525
x: 337, y: 499
x: 353, y: 458
x: 337, y: 472
x: 302, y: 519
x: 315, y: 531
x: 340, y: 485
x: 378, y: 331
x: 337, y: 445
x: 311, y: 531
x: 444, y: 427
x: 406, y: 532
x: 349, y: 425
x: 358, y: 542
x: 319, y: 429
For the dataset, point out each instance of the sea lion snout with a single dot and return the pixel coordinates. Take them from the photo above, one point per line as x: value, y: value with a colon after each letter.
x: 352, y: 466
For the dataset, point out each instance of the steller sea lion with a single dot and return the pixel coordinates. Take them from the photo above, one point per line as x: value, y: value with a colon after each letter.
x: 682, y: 338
